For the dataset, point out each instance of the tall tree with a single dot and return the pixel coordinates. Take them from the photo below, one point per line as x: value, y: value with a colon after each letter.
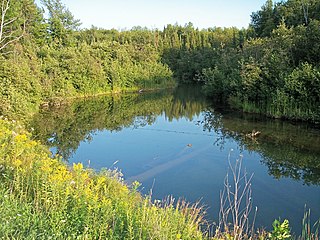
x: 61, y: 21
x: 263, y: 20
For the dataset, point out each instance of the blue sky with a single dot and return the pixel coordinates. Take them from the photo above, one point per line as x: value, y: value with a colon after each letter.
x: 124, y: 14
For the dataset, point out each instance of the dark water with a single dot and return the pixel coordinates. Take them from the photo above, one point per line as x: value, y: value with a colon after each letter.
x: 175, y: 143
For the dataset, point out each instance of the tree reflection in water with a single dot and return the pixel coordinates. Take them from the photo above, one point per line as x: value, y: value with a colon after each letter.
x: 287, y: 149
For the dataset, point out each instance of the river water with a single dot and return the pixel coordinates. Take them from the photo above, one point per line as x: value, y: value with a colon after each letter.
x: 175, y: 142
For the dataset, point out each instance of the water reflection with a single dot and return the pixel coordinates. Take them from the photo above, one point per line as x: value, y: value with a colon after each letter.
x: 177, y: 138
x: 288, y: 149
x: 65, y: 127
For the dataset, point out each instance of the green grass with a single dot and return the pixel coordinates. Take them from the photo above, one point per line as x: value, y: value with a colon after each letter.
x: 43, y: 198
x: 279, y: 108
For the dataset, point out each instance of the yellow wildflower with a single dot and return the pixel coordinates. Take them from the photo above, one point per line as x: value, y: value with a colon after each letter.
x: 77, y: 167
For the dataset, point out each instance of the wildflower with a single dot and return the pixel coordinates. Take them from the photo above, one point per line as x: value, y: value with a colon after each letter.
x: 17, y: 163
x: 77, y: 167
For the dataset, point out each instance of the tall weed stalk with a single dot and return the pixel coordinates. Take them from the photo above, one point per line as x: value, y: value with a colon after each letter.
x: 309, y: 231
x: 236, y: 203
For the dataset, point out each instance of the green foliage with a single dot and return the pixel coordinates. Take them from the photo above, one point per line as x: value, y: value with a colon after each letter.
x: 279, y: 73
x: 292, y: 12
x: 216, y: 83
x: 276, y: 75
x: 20, y: 89
x: 263, y: 21
x: 61, y: 22
x: 252, y: 80
x: 303, y: 83
x: 281, y: 231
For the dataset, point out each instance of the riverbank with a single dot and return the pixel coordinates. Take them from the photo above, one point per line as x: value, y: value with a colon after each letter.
x: 286, y: 110
x: 41, y: 197
x: 59, y: 101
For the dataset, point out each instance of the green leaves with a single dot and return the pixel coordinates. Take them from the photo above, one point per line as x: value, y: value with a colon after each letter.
x: 61, y: 22
x: 281, y: 231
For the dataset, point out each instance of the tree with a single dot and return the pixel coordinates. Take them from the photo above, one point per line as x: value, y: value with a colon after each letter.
x: 61, y: 21
x: 8, y: 34
x: 263, y: 20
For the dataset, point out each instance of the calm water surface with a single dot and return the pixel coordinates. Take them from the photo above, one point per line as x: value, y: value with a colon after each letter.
x: 175, y: 143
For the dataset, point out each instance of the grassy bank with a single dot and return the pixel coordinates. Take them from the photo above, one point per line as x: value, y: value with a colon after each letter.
x: 41, y: 198
x: 58, y: 101
x: 279, y: 109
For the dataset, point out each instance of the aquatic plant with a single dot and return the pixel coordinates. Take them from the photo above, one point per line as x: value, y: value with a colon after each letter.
x: 309, y: 231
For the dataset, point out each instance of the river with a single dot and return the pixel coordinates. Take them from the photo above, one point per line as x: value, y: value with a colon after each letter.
x: 175, y: 142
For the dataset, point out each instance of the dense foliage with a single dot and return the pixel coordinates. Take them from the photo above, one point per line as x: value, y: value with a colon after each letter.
x: 272, y: 67
x: 52, y: 58
x: 276, y: 71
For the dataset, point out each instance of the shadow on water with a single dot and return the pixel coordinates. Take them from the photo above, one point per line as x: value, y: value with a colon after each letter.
x: 288, y: 150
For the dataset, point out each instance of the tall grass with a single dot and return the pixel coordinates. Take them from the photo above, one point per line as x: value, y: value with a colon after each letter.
x: 43, y: 198
x: 279, y: 107
x: 309, y: 231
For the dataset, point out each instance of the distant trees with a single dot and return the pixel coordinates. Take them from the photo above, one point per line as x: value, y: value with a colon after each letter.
x: 263, y: 21
x: 291, y: 12
x: 272, y: 67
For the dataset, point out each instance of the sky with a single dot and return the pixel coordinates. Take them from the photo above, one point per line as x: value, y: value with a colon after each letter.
x: 125, y: 14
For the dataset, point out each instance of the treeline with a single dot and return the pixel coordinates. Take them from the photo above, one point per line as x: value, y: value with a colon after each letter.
x: 42, y: 59
x: 272, y: 67
x: 279, y: 69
